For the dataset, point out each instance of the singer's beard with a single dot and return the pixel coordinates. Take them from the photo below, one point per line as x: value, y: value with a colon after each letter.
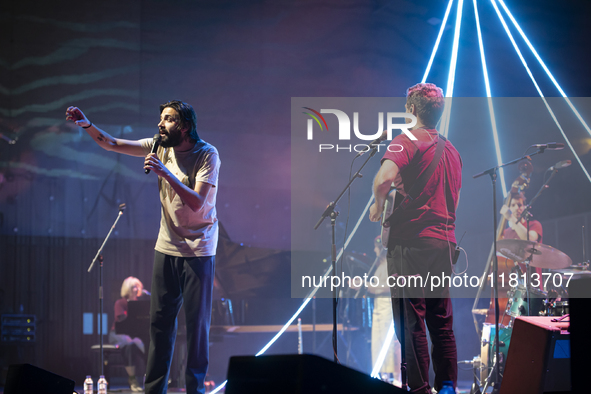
x: 171, y: 139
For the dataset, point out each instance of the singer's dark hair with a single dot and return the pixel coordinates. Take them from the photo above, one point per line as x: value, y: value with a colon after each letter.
x: 428, y: 101
x: 187, y: 117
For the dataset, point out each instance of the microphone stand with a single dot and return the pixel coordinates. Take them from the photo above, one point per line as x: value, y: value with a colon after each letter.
x: 330, y: 211
x: 492, y: 172
x: 99, y: 257
x: 544, y: 187
x: 527, y: 215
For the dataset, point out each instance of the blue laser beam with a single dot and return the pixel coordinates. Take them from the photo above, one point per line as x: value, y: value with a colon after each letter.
x: 382, y: 355
x: 454, y: 55
x: 452, y: 71
x: 436, y: 46
x: 491, y: 109
x: 539, y: 90
x: 538, y: 57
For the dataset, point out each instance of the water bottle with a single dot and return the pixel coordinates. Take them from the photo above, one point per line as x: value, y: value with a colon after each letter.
x: 102, y: 385
x: 88, y: 385
x: 448, y: 388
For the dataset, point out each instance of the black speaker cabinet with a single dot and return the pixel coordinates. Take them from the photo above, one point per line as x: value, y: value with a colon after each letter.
x: 580, y: 331
x: 299, y: 374
x: 26, y: 378
x: 538, y: 360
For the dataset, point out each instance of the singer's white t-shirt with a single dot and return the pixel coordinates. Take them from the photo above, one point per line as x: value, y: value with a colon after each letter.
x: 185, y: 233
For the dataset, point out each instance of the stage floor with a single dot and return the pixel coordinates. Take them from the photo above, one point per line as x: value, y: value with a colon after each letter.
x: 463, y: 388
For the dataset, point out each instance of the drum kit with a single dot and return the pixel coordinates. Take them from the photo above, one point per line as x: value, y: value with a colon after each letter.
x: 529, y: 294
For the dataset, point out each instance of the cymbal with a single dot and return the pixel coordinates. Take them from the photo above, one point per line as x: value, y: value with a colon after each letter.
x: 575, y: 272
x: 583, y: 267
x: 542, y: 256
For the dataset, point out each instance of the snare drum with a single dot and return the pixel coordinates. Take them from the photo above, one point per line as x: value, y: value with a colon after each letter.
x: 517, y: 304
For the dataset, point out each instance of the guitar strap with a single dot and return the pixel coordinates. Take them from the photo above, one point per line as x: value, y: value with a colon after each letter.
x: 421, y: 182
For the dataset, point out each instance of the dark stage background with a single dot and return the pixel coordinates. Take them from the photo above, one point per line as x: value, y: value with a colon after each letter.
x: 239, y: 64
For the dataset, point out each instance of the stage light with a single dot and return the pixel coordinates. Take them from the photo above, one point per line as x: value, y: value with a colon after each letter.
x: 385, y: 347
x: 309, y: 297
x: 315, y: 290
x: 529, y: 44
x: 454, y: 54
x: 272, y: 341
x: 538, y: 89
x: 443, y: 23
x: 490, y: 103
x: 221, y: 386
x: 452, y: 71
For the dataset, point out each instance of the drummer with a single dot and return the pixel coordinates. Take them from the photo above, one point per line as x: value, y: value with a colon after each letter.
x: 517, y: 228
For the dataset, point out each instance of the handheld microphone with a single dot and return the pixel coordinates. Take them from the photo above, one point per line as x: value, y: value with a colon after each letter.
x: 374, y: 143
x: 157, y: 138
x: 550, y: 145
x: 560, y: 165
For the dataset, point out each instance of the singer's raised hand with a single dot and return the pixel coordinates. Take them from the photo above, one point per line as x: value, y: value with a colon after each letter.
x: 75, y: 115
x: 102, y: 138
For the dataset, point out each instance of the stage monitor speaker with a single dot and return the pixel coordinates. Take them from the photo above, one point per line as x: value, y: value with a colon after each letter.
x: 26, y: 378
x: 299, y: 374
x: 538, y: 360
x: 580, y: 322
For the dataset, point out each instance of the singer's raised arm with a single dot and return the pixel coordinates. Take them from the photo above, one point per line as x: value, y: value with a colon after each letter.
x: 102, y: 138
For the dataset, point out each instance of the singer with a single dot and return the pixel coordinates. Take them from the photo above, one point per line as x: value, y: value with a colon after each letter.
x: 422, y: 238
x: 184, y: 257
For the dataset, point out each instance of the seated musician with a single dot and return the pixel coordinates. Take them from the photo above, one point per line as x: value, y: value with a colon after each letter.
x: 517, y: 228
x: 132, y: 289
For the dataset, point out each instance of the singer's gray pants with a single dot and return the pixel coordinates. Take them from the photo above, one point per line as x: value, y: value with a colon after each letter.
x: 178, y: 281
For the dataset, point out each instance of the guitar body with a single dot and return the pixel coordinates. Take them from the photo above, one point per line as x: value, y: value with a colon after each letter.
x: 392, y: 201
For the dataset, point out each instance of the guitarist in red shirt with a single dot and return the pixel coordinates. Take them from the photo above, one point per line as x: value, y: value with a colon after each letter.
x: 422, y: 238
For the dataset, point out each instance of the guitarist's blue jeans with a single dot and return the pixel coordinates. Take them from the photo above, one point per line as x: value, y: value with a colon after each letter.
x: 179, y: 281
x: 423, y: 308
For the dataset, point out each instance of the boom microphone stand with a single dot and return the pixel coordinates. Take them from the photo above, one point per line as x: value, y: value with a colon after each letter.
x: 330, y: 211
x: 494, y: 378
x: 527, y: 215
x: 99, y: 257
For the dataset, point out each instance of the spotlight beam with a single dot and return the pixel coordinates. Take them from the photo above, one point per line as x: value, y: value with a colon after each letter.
x: 452, y: 71
x: 436, y: 46
x: 315, y: 290
x: 531, y: 47
x: 383, y: 352
x: 454, y: 55
x: 539, y: 90
x: 491, y: 109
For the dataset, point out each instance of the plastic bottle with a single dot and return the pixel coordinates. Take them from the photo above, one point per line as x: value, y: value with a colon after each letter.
x: 102, y: 385
x: 88, y: 385
x: 448, y: 388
